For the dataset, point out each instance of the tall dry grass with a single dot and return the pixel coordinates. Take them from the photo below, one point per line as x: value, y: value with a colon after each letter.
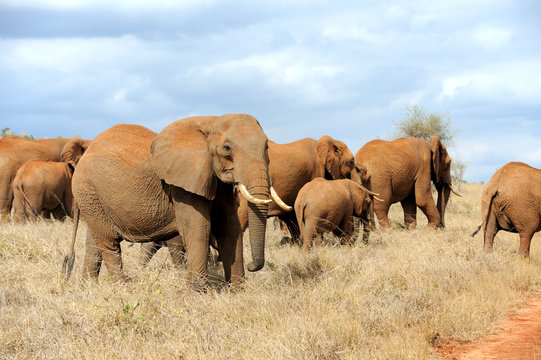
x: 390, y: 299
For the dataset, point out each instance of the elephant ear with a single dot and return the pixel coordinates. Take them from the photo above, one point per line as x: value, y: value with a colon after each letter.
x: 181, y: 158
x: 74, y: 149
x: 436, y: 148
x: 439, y: 155
x: 329, y: 155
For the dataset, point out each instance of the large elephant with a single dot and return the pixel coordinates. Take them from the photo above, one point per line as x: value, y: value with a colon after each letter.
x: 14, y: 152
x: 291, y: 166
x: 401, y: 170
x: 41, y: 188
x: 511, y: 201
x: 330, y: 205
x: 135, y: 185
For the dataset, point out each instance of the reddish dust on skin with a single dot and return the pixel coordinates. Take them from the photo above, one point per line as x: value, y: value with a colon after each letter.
x: 518, y: 338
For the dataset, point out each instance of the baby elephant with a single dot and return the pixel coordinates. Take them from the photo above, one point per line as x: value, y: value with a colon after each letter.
x: 330, y: 205
x: 41, y: 187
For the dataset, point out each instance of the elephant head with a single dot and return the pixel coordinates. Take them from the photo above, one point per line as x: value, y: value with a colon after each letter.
x: 360, y: 175
x: 336, y: 157
x: 441, y: 175
x: 74, y: 149
x: 363, y: 206
x: 195, y: 153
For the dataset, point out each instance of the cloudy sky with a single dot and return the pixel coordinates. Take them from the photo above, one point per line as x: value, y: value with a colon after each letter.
x: 302, y: 68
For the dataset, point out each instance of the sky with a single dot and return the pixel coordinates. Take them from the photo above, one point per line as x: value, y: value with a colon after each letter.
x: 302, y: 68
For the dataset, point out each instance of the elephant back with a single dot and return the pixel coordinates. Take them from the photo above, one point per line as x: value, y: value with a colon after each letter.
x: 114, y: 178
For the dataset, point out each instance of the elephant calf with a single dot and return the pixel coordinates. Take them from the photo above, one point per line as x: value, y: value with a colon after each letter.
x: 511, y: 201
x: 42, y: 187
x: 330, y: 205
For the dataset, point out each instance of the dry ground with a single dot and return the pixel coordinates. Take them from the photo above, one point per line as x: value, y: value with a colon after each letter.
x: 392, y: 299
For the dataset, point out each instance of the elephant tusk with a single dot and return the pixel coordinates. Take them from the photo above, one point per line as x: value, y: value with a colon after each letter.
x: 370, y: 192
x: 279, y: 201
x: 453, y: 191
x: 250, y: 197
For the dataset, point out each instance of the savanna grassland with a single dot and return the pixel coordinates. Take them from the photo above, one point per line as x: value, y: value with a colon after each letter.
x: 391, y: 299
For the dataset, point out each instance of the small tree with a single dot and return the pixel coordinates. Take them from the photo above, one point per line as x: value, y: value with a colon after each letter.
x: 422, y: 124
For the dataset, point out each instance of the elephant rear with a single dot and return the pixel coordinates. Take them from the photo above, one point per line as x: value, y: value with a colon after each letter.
x: 511, y: 201
x: 42, y: 187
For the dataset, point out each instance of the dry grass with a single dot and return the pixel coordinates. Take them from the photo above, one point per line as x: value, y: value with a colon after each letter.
x: 390, y: 299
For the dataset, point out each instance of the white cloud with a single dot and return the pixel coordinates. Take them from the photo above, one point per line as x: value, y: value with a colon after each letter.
x: 492, y: 37
x: 68, y: 55
x: 126, y: 5
x: 521, y: 79
x: 290, y: 69
x: 344, y: 31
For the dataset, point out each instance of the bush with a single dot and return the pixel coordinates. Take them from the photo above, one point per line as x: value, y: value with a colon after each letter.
x: 421, y: 124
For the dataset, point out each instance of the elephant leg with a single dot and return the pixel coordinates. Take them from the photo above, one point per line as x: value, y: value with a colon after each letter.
x: 112, y: 257
x: 177, y: 252
x: 93, y: 259
x: 308, y: 231
x: 425, y: 202
x: 381, y: 209
x: 227, y: 235
x: 19, y: 215
x: 347, y: 230
x: 410, y: 211
x: 356, y: 224
x: 525, y: 240
x: 491, y: 229
x: 148, y: 250
x: 292, y: 225
x: 231, y: 253
x: 6, y: 197
x: 193, y: 224
x: 107, y: 243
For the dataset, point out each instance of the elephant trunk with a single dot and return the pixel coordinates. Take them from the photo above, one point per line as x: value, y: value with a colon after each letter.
x: 257, y: 220
x: 443, y: 197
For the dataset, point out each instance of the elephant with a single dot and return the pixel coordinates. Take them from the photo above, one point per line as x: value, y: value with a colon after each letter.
x: 41, y: 188
x: 15, y: 151
x: 291, y: 166
x: 178, y: 186
x: 330, y: 205
x: 401, y: 170
x: 511, y: 201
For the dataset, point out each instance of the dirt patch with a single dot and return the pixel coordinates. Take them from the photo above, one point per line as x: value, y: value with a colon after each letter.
x: 519, y: 338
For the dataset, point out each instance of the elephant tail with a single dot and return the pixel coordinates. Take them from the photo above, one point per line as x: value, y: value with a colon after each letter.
x: 69, y: 261
x: 27, y: 202
x: 487, y: 215
x: 300, y: 217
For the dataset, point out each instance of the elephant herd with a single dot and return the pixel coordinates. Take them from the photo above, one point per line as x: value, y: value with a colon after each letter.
x: 204, y: 180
